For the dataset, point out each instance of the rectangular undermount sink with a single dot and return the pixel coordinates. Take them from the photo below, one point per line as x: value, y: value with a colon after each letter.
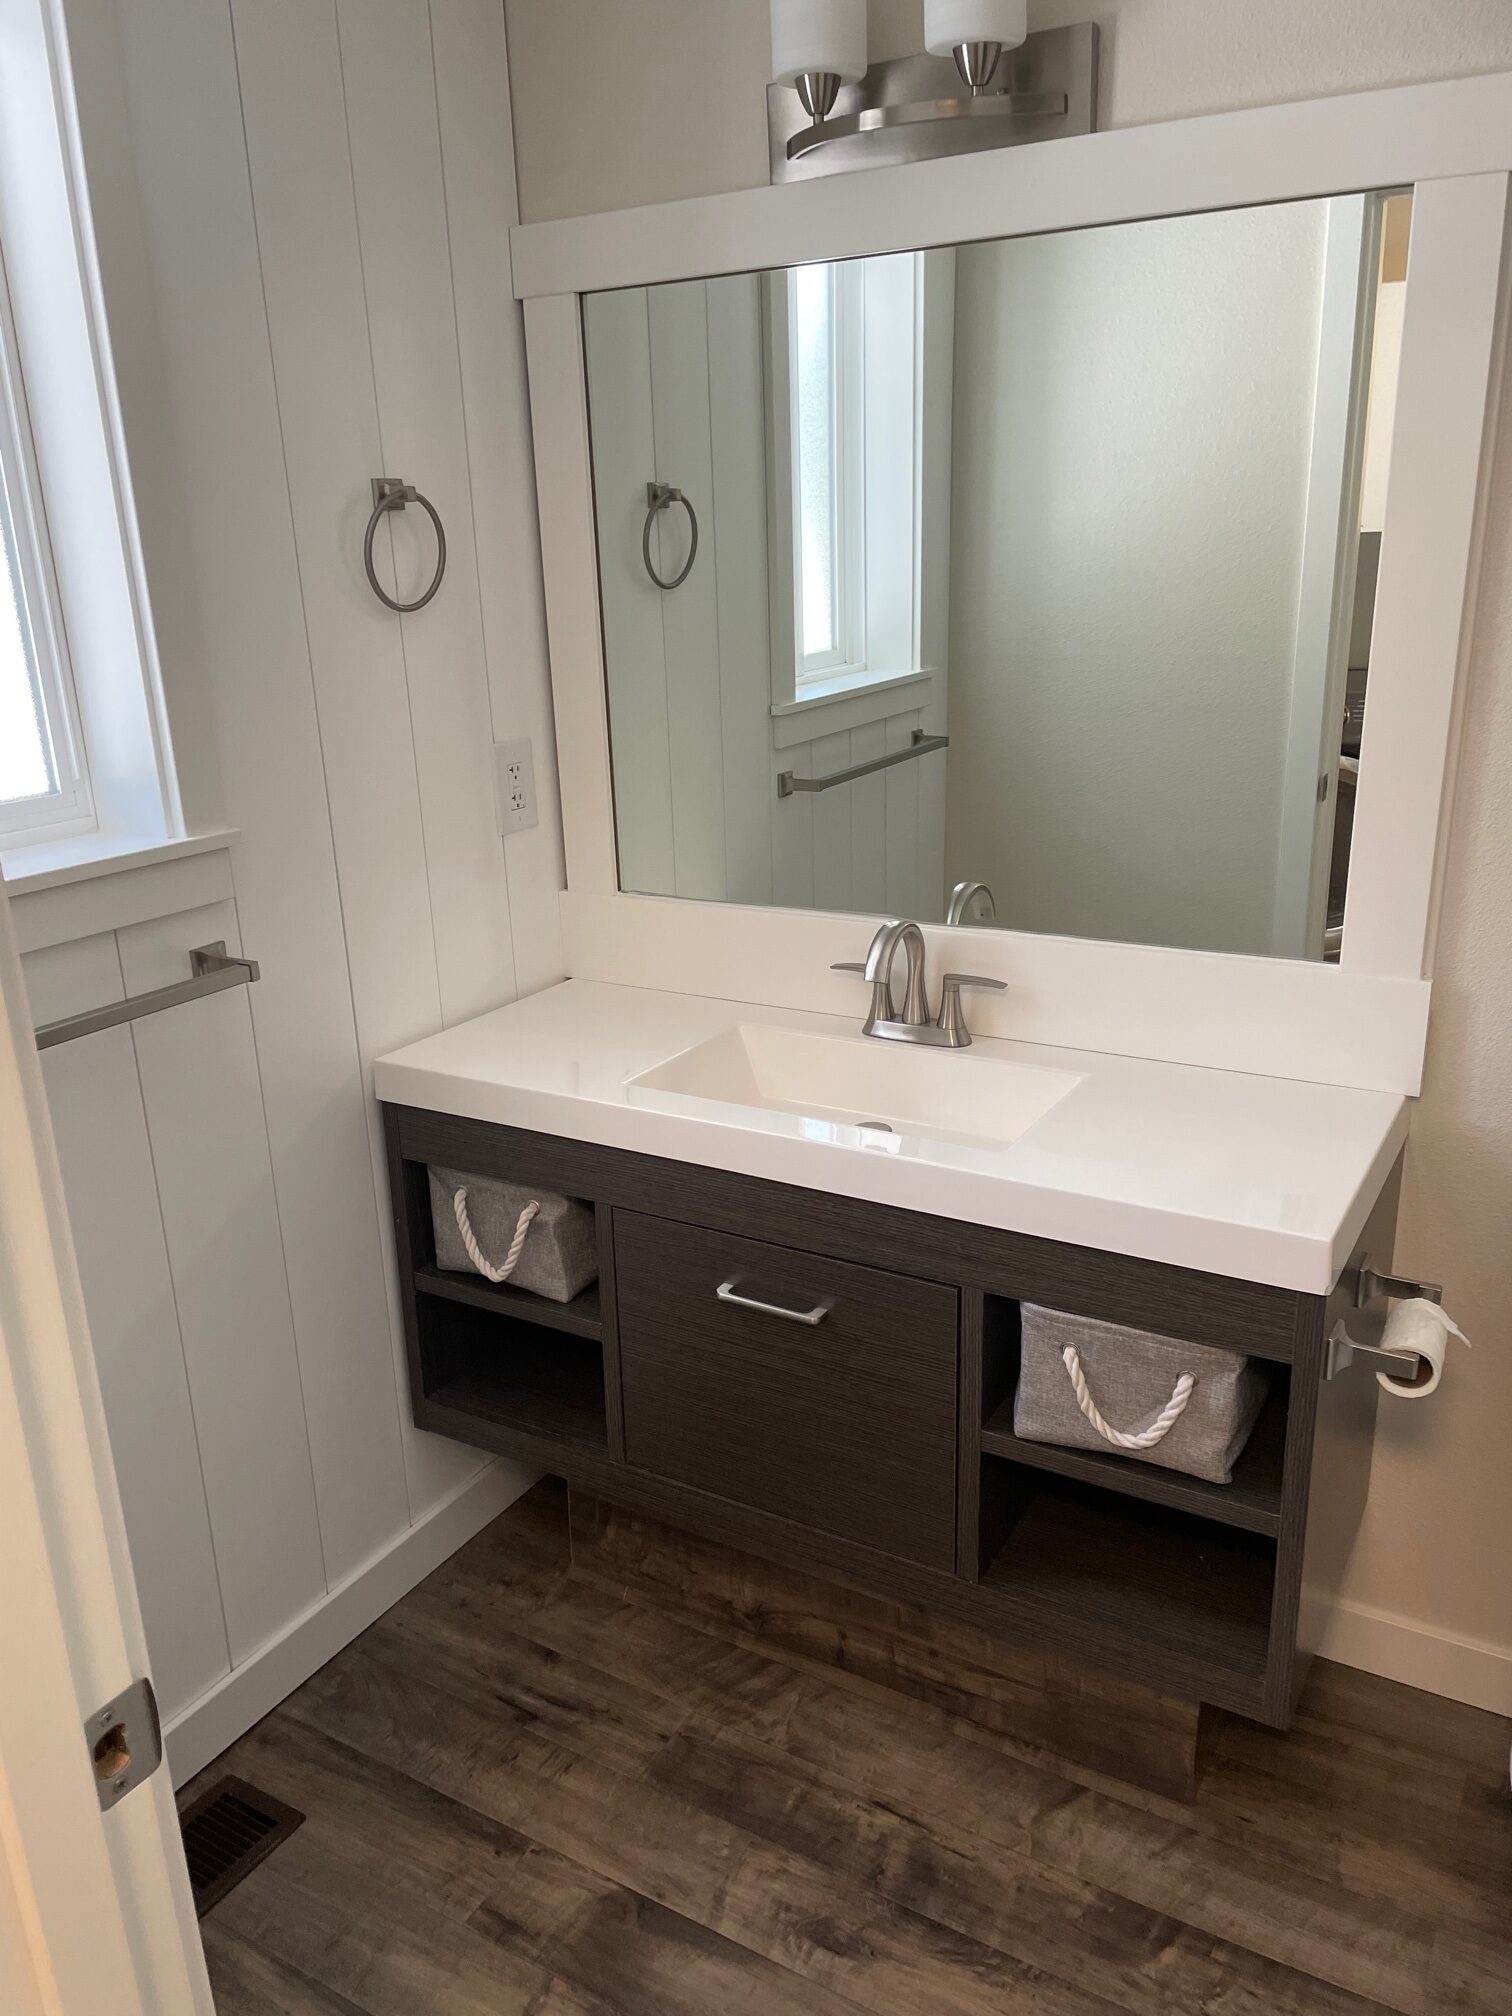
x: 857, y: 1092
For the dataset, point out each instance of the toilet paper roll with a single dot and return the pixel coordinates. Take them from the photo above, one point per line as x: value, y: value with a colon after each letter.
x: 1420, y: 1331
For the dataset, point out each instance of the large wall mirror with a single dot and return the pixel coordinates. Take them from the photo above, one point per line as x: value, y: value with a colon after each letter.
x: 1025, y: 583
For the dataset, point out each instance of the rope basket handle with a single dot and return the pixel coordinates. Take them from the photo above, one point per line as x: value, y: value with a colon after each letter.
x: 1162, y: 1425
x: 475, y: 1252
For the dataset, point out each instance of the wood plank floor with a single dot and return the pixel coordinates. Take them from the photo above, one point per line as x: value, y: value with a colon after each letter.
x: 528, y: 1796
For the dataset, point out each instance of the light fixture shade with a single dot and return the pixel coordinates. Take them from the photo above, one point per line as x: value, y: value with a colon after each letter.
x: 949, y: 23
x: 818, y: 35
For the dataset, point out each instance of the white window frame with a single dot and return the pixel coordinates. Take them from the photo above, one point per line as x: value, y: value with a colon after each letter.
x: 847, y: 657
x: 79, y: 479
x: 873, y: 653
x: 69, y: 808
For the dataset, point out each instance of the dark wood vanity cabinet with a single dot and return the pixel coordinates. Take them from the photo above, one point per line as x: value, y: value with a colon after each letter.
x: 859, y: 1423
x: 839, y: 1412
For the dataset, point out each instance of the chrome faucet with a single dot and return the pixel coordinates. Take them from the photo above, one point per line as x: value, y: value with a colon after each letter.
x: 975, y: 897
x: 913, y: 1025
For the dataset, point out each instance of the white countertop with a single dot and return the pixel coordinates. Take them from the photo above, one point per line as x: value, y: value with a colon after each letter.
x: 1262, y: 1178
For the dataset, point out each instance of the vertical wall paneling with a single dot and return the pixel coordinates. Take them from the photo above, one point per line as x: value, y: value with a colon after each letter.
x: 477, y: 151
x: 391, y: 117
x: 191, y: 161
x: 793, y: 831
x: 290, y: 72
x: 868, y: 807
x: 690, y: 614
x: 906, y: 896
x: 203, y: 1103
x: 95, y: 1100
x: 617, y: 344
x: 325, y: 197
x: 832, y: 826
x: 738, y: 451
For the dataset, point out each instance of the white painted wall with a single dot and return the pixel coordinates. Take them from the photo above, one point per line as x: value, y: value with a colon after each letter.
x: 1425, y: 1599
x: 1133, y: 424
x: 320, y: 194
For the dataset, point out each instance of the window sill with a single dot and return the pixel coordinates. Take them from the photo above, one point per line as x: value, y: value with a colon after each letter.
x: 61, y: 890
x: 850, y: 701
x: 49, y: 864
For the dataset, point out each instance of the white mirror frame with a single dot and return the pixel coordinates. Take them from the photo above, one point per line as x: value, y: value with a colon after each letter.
x: 1363, y: 1022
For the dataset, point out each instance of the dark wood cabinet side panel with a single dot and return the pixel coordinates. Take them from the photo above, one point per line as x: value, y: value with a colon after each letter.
x: 1327, y: 1488
x: 970, y: 1412
x: 614, y: 1407
x: 414, y: 1240
x: 1171, y: 1301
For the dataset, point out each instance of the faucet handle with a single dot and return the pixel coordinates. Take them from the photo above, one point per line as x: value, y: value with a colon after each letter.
x: 848, y: 966
x: 974, y: 980
x: 952, y: 1019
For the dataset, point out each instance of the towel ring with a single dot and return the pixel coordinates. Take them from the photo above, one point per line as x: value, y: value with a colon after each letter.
x: 658, y: 497
x: 392, y: 493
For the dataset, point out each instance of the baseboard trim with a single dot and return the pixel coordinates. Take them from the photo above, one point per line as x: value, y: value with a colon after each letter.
x: 212, y: 1722
x: 1397, y: 1648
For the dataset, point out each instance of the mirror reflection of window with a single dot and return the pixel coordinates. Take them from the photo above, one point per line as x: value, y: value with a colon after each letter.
x: 1038, y: 569
x: 832, y: 423
x: 817, y: 464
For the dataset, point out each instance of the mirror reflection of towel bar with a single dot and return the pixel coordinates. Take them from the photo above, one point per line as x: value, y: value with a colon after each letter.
x: 212, y: 968
x: 921, y: 745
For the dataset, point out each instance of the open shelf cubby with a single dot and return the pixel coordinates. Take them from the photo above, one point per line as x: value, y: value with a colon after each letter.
x: 530, y: 1378
x: 581, y: 1317
x: 1100, y: 1568
x: 1251, y: 1501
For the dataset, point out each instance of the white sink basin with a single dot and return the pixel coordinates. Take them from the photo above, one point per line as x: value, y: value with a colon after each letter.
x: 857, y: 1091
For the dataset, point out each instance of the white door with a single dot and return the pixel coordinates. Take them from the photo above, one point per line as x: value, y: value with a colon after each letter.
x: 96, y: 1916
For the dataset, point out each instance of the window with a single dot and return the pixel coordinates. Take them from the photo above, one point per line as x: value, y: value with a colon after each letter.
x: 43, y: 788
x: 848, y: 409
x: 826, y: 325
x: 86, y: 748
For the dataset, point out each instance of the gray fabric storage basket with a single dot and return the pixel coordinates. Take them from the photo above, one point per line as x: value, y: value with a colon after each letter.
x: 560, y: 1255
x: 1131, y: 1375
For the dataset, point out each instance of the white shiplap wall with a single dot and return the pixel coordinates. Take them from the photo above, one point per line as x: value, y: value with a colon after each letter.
x: 325, y: 193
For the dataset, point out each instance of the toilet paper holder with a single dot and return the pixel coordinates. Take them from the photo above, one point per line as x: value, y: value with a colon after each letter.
x: 1373, y: 1290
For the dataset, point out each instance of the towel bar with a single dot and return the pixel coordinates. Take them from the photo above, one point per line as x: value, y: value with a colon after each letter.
x: 920, y: 745
x: 213, y: 970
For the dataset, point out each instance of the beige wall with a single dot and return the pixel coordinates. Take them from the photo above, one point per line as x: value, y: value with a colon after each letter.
x: 1134, y: 415
x: 618, y: 104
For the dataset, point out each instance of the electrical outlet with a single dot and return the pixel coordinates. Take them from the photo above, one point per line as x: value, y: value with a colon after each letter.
x: 514, y: 785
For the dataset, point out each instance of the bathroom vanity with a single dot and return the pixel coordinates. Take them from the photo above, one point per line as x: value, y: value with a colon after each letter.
x: 804, y: 1336
x: 1005, y: 544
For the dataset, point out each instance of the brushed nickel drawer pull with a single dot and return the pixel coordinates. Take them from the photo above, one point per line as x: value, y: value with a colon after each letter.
x: 726, y: 1293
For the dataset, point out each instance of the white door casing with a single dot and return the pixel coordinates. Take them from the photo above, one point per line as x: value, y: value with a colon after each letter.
x: 100, y: 1903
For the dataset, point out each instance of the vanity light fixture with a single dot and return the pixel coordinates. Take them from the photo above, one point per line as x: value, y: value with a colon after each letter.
x: 818, y: 45
x: 828, y: 112
x: 975, y: 33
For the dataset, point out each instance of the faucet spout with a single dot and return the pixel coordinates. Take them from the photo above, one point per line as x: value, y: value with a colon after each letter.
x: 879, y: 965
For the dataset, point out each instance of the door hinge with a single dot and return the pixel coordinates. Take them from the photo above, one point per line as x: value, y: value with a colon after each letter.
x: 125, y: 1741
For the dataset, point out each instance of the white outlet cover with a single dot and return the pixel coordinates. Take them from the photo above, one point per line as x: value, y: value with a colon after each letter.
x: 514, y: 786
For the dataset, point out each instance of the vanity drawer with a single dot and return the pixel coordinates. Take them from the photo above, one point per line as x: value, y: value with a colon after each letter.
x: 846, y: 1422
